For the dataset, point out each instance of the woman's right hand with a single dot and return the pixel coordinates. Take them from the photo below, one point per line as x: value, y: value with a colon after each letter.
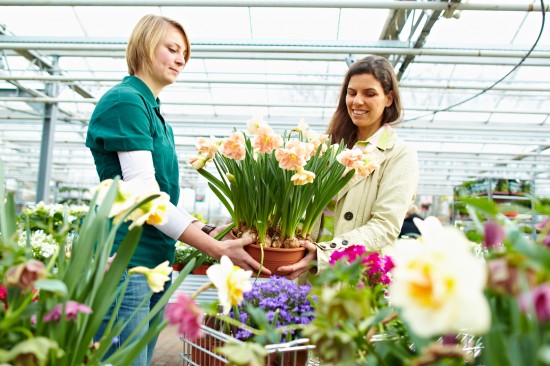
x: 294, y: 270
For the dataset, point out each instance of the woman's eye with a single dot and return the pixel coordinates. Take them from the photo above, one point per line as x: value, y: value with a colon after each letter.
x: 171, y: 50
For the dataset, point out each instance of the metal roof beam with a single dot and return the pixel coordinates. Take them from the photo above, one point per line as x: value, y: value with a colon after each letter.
x: 355, y: 4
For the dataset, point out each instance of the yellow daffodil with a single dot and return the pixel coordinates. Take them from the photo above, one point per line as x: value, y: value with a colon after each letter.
x: 156, y: 277
x: 231, y: 282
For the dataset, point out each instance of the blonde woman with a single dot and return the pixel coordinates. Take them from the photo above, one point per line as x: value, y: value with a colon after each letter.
x: 129, y: 137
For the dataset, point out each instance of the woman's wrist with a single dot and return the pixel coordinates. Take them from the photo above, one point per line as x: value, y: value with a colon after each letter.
x: 208, y: 228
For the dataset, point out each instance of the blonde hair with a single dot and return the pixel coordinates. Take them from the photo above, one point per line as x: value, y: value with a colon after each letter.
x: 146, y: 36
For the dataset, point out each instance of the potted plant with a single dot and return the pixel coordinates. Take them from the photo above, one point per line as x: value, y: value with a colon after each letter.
x: 50, y: 312
x: 183, y: 255
x: 275, y: 187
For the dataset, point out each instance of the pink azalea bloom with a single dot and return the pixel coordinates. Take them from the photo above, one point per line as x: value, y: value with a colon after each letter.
x: 267, y: 142
x: 494, y: 234
x: 24, y: 274
x: 350, y: 253
x: 4, y: 297
x: 234, y: 147
x: 539, y: 299
x: 185, y: 313
x: 302, y: 177
x: 72, y: 309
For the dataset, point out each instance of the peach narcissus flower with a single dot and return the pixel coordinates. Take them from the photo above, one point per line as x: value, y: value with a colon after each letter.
x: 207, y: 147
x: 156, y: 277
x: 198, y: 161
x: 234, y: 147
x: 231, y: 281
x: 264, y: 143
x: 302, y: 177
x: 349, y: 158
x: 293, y: 157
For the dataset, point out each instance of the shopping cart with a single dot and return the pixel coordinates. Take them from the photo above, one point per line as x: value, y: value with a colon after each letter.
x: 202, y: 352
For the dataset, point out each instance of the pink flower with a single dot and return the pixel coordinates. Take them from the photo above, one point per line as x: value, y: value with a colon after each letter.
x: 494, y: 234
x: 187, y: 315
x: 539, y: 300
x: 233, y: 147
x: 546, y: 241
x: 4, y: 296
x: 544, y: 223
x: 24, y: 274
x: 109, y: 262
x: 350, y: 254
x: 376, y: 266
x: 72, y: 309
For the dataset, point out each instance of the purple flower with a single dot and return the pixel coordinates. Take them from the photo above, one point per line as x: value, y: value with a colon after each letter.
x: 539, y: 299
x: 278, y: 293
x: 494, y: 234
x: 72, y: 309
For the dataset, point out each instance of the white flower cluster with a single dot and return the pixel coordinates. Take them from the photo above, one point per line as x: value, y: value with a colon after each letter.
x: 43, y: 245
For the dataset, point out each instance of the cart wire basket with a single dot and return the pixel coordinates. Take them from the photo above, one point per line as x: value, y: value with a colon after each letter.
x: 202, y: 352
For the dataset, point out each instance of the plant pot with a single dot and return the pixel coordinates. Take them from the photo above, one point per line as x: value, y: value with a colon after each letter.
x: 201, y: 270
x: 177, y: 267
x: 275, y: 257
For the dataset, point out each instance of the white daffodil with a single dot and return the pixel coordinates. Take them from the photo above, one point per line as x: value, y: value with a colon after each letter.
x: 152, y: 212
x: 156, y: 277
x: 124, y: 198
x: 438, y: 283
x: 231, y: 282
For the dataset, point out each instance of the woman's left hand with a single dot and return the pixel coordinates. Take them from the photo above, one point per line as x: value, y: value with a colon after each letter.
x: 294, y: 270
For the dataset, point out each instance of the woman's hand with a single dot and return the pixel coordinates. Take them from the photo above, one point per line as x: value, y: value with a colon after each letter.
x: 294, y: 270
x: 234, y: 249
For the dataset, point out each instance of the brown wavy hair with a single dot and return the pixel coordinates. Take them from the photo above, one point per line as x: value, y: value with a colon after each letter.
x: 341, y: 126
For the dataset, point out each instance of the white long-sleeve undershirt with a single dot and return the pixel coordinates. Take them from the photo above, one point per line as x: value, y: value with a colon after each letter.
x: 137, y: 167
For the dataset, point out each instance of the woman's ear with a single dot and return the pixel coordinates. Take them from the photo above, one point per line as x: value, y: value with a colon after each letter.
x: 389, y: 99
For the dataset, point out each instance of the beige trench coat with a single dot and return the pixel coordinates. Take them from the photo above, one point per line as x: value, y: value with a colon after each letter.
x: 370, y: 211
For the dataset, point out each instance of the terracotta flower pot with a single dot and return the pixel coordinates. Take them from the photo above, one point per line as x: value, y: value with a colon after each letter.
x: 275, y: 257
x: 177, y: 267
x: 201, y: 270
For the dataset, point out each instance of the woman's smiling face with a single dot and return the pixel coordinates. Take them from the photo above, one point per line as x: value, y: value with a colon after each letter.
x: 366, y: 101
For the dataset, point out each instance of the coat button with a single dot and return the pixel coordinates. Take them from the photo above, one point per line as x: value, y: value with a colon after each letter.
x: 323, y: 246
x: 333, y: 245
x: 348, y: 216
x: 344, y: 242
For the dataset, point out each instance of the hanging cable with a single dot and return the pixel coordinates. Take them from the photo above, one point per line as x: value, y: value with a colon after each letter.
x: 499, y: 80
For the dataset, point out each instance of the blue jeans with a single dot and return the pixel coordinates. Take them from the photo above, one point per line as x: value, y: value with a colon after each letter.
x: 137, y: 290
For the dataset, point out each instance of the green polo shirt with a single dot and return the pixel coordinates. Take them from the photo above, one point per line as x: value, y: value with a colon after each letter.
x: 127, y: 118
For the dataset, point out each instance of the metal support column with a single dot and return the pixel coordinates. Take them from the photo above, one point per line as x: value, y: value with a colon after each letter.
x: 48, y: 139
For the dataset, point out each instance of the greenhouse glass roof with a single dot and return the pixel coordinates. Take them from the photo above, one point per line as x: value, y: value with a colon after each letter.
x: 284, y: 60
